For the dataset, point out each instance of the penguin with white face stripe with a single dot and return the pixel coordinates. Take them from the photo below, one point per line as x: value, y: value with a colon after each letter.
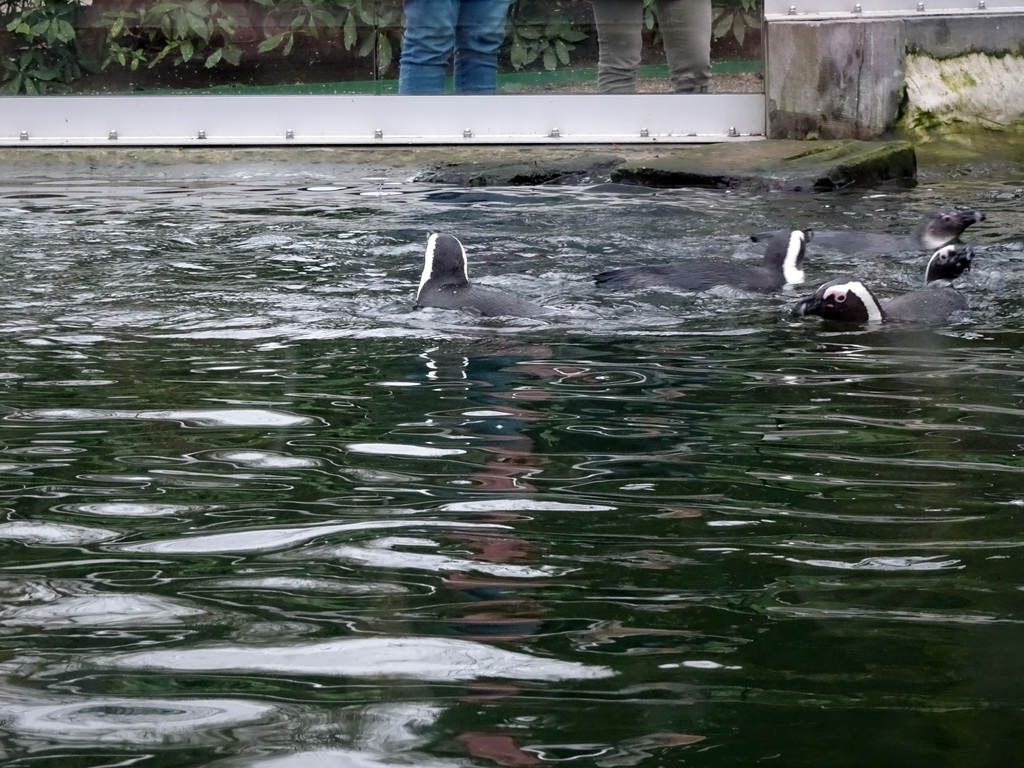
x: 948, y: 263
x: 849, y: 300
x: 445, y: 284
x: 933, y: 231
x: 782, y: 264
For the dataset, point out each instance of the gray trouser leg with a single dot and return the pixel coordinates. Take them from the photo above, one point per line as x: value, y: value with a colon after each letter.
x: 619, y: 28
x: 686, y: 31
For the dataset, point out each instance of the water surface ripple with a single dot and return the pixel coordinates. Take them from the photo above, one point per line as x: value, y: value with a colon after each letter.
x: 259, y: 511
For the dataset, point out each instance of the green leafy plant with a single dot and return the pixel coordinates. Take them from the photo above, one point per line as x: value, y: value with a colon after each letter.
x: 549, y: 42
x: 362, y: 24
x: 737, y: 17
x: 178, y: 31
x: 40, y: 56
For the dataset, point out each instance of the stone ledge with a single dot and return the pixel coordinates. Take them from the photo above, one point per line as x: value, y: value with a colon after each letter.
x: 798, y: 166
x: 788, y: 165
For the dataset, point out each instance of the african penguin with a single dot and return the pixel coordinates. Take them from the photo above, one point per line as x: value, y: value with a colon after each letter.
x: 849, y: 300
x: 445, y: 284
x: 948, y: 263
x: 782, y: 264
x: 935, y: 230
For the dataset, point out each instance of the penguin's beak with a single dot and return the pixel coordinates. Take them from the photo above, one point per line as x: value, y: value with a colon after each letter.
x: 806, y: 306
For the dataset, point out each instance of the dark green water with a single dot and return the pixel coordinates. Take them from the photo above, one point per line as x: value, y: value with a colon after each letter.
x: 258, y: 511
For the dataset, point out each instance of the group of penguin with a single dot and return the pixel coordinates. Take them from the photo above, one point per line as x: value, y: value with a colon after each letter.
x: 445, y: 282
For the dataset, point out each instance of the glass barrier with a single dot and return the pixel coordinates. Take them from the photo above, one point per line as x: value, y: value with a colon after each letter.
x: 114, y: 47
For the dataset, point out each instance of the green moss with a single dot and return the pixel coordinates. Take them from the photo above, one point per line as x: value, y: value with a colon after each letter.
x: 957, y: 80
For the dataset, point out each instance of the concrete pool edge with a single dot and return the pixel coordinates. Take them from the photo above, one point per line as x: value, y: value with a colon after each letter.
x: 762, y: 165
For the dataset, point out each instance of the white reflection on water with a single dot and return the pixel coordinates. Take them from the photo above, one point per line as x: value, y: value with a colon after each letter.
x: 383, y: 553
x: 419, y: 658
x: 376, y: 736
x: 135, y: 721
x: 344, y: 758
x: 214, y: 417
x: 99, y: 611
x: 295, y: 584
x: 280, y: 538
x: 886, y: 564
x: 59, y: 534
x: 130, y: 509
x: 519, y: 505
x: 396, y: 449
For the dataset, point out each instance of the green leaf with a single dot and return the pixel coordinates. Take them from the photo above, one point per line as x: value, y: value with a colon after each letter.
x: 271, y: 43
x: 163, y: 8
x: 366, y: 48
x: 722, y: 26
x: 40, y: 28
x: 214, y: 58
x: 163, y: 53
x: 739, y: 28
x: 288, y: 45
x: 517, y: 55
x: 232, y: 54
x: 65, y: 31
x: 550, y: 60
x: 14, y: 85
x: 186, y: 50
x: 350, y: 31
x: 201, y: 27
x: 562, y: 51
x: 385, y: 53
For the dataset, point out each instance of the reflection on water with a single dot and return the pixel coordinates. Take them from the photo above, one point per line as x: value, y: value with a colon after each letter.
x: 259, y: 511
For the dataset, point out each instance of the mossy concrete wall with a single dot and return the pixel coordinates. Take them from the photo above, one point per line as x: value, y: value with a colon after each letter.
x: 868, y: 77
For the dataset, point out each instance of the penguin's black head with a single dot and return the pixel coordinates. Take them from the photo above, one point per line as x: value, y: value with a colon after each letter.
x: 444, y: 263
x: 948, y: 263
x: 786, y: 251
x: 845, y: 300
x: 942, y: 227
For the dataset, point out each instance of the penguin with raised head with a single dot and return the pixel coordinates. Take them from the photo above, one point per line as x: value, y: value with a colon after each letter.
x: 948, y: 263
x: 782, y: 264
x: 935, y: 230
x: 445, y: 284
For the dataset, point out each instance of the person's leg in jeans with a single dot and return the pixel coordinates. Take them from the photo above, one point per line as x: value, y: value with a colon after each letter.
x: 686, y: 34
x: 619, y: 29
x: 478, y: 37
x: 428, y: 45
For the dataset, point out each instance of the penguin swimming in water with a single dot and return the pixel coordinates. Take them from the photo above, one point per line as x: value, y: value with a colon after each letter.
x: 782, y: 263
x: 935, y: 230
x: 948, y: 263
x: 849, y: 300
x: 445, y: 284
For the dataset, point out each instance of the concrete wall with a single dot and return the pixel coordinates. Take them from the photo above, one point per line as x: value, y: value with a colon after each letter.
x: 868, y: 77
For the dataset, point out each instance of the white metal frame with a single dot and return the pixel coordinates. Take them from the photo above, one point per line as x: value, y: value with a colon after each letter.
x: 777, y: 10
x: 48, y: 121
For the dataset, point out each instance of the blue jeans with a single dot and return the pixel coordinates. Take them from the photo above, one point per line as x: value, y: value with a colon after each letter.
x: 435, y: 30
